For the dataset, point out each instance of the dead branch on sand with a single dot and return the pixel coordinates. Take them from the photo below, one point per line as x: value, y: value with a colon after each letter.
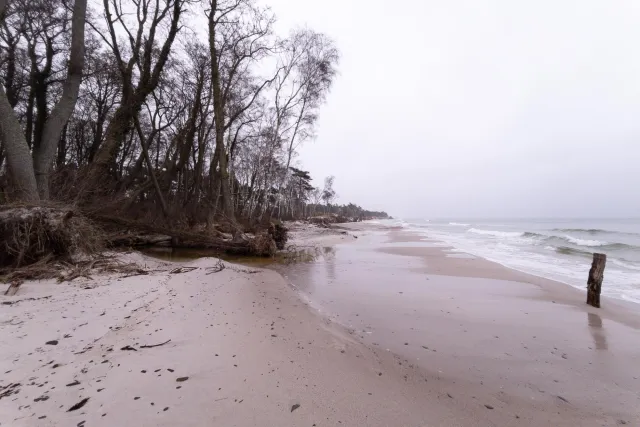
x: 13, y: 288
x: 218, y: 267
x: 155, y: 345
x: 180, y: 270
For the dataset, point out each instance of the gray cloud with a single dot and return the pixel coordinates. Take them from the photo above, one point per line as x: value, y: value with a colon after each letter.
x: 480, y: 109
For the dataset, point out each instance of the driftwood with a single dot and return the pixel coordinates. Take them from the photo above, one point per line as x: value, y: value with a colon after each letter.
x: 594, y: 283
x: 13, y: 288
x: 181, y: 270
x: 155, y: 345
x: 133, y: 240
x: 217, y: 268
x: 146, y: 228
x: 136, y: 272
x: 150, y: 235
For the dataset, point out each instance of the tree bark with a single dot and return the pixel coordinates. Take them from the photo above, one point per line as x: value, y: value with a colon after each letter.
x: 218, y: 110
x: 15, y: 144
x: 594, y: 283
x: 17, y: 152
x: 44, y: 152
x: 116, y: 131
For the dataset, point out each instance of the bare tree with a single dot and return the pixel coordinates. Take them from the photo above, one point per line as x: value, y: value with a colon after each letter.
x: 140, y: 72
x: 328, y: 193
x: 176, y: 130
x: 310, y: 60
x: 15, y: 144
x: 49, y: 127
x: 44, y: 153
x: 239, y: 34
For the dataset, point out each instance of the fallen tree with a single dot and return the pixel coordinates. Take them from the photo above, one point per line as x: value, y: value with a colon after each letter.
x: 139, y: 234
x: 326, y: 220
x: 55, y: 241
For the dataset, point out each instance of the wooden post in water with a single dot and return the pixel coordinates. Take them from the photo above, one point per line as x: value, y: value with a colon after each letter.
x: 594, y: 284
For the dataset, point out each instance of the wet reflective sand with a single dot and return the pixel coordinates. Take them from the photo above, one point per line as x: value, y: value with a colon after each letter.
x: 480, y: 328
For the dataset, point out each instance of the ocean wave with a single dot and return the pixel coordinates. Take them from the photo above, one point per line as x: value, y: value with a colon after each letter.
x: 459, y: 224
x: 496, y: 233
x: 594, y: 231
x: 584, y: 242
x: 623, y: 246
x: 583, y: 230
x: 565, y: 250
x: 555, y: 240
x: 556, y: 255
x: 535, y: 235
x: 625, y: 264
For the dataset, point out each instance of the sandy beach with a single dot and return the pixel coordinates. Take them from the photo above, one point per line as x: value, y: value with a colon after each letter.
x: 377, y: 332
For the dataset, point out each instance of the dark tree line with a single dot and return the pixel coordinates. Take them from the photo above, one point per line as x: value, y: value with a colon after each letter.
x: 183, y: 111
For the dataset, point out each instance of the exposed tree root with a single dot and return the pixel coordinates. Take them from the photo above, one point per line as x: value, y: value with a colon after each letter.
x: 139, y: 234
x: 46, y: 242
x: 31, y: 234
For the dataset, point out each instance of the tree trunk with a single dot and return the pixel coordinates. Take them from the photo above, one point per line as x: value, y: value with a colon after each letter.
x: 594, y: 283
x: 218, y: 110
x: 44, y: 152
x: 62, y: 149
x: 15, y: 144
x: 152, y: 175
x: 17, y: 152
x: 116, y: 131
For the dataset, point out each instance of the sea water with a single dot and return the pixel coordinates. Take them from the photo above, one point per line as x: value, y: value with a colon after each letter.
x: 556, y: 249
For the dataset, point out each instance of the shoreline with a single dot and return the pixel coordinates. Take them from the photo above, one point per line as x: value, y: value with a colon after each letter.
x: 355, y: 284
x: 622, y: 310
x: 253, y: 349
x: 544, y: 273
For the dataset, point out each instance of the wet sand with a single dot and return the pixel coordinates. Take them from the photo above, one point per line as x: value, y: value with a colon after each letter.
x: 485, y: 334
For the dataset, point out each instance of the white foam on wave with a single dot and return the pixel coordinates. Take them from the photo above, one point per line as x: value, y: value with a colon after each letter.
x: 459, y: 224
x: 584, y: 242
x: 518, y: 251
x: 496, y: 233
x: 623, y: 264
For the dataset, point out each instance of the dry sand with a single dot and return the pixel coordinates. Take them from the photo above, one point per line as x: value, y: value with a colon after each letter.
x: 245, y: 350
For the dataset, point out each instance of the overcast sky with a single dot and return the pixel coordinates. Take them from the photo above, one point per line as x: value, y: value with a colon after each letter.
x: 477, y: 108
